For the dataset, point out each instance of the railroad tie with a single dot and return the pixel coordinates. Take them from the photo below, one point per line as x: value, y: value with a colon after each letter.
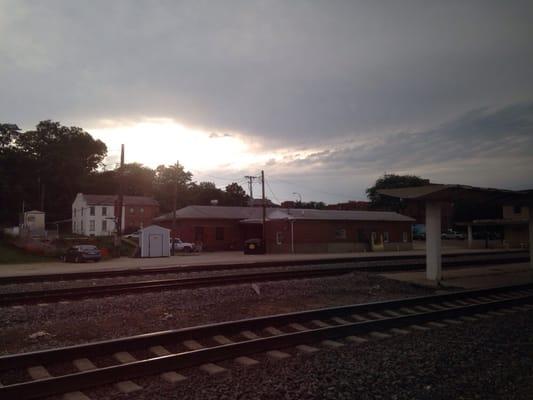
x: 419, y: 328
x: 434, y: 324
x: 75, y: 396
x: 340, y: 321
x: 356, y: 339
x: 320, y: 324
x: 192, y: 345
x: 379, y: 335
x: 38, y: 372
x: 392, y: 313
x: 273, y: 331
x: 359, y: 318
x: 436, y: 306
x: 332, y: 343
x: 124, y: 357
x: 244, y: 361
x: 452, y: 321
x: 482, y: 316
x: 297, y: 327
x: 249, y: 335
x: 277, y: 355
x: 304, y: 348
x: 83, y: 364
x: 398, y: 331
x: 468, y: 318
x: 408, y: 310
x: 169, y: 376
x: 423, y: 309
x: 212, y: 369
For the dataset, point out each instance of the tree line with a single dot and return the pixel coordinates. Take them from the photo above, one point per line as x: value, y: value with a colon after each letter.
x: 44, y: 168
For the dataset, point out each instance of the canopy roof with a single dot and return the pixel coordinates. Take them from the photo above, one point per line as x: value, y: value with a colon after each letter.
x: 450, y: 193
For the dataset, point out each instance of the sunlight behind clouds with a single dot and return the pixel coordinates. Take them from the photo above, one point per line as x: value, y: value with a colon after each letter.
x: 158, y: 141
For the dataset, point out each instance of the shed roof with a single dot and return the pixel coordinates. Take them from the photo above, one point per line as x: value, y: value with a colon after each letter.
x: 255, y: 213
x: 107, y: 199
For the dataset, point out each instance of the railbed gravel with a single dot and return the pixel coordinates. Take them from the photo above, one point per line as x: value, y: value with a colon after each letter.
x: 103, y: 318
x: 491, y: 359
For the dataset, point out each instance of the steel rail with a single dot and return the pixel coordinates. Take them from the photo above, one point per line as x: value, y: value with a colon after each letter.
x: 448, y: 260
x: 178, y: 335
x: 152, y: 366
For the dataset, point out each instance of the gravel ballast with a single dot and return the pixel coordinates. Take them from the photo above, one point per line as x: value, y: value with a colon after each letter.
x: 35, y: 327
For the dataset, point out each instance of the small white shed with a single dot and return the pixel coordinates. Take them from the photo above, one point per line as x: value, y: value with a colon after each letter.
x: 154, y: 241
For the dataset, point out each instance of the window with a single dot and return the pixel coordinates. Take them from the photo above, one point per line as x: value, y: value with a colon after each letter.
x: 81, y: 211
x: 385, y: 237
x: 82, y: 225
x: 340, y: 233
x: 219, y: 233
x: 517, y: 209
x: 91, y: 211
x: 74, y: 226
x: 132, y: 210
x: 91, y: 225
x: 405, y: 237
x: 104, y: 225
x: 74, y: 212
x: 141, y: 210
x: 279, y: 238
x: 104, y: 211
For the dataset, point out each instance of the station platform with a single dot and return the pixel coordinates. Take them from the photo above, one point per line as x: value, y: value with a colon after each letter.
x: 214, y: 258
x: 470, y: 278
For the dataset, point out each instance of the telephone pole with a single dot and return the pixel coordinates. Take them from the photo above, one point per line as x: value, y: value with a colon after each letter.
x: 251, y: 187
x: 120, y: 201
x: 174, y: 210
x: 264, y: 208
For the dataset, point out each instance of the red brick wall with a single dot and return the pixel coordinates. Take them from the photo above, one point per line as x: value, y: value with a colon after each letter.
x: 134, y: 220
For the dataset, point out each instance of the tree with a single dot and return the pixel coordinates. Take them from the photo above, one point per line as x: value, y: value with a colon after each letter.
x: 392, y: 181
x: 235, y: 195
x: 166, y: 179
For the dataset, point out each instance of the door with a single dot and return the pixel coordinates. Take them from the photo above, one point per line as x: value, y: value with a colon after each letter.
x: 155, y: 246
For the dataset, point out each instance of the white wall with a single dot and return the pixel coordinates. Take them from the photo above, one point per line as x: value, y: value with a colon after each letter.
x: 81, y: 215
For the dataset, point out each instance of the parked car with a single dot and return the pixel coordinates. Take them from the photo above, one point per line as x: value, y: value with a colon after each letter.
x: 81, y: 253
x: 419, y: 236
x: 451, y: 234
x: 179, y: 245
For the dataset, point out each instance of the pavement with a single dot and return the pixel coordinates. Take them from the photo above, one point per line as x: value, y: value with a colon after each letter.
x: 212, y: 258
x: 471, y: 278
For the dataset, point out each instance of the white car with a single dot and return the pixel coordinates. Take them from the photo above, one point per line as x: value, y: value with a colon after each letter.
x: 450, y: 235
x: 179, y: 245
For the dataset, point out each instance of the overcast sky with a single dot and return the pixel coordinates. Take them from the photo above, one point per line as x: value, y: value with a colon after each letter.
x: 325, y: 96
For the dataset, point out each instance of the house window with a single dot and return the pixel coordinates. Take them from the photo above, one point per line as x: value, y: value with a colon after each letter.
x: 91, y: 211
x: 385, y: 237
x: 142, y: 210
x: 91, y: 225
x: 104, y: 211
x: 81, y: 211
x: 340, y: 233
x: 74, y: 226
x: 132, y: 210
x: 279, y: 238
x: 104, y: 226
x: 405, y: 237
x: 517, y: 209
x: 219, y: 233
x: 82, y: 226
x: 74, y: 212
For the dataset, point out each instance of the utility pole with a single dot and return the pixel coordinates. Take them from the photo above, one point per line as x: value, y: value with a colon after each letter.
x: 172, y: 251
x: 250, y: 187
x: 120, y: 201
x: 264, y: 208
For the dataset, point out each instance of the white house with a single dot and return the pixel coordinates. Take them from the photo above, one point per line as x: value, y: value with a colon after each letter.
x: 94, y: 214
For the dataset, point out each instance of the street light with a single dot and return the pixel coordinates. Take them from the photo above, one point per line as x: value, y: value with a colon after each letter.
x: 299, y: 195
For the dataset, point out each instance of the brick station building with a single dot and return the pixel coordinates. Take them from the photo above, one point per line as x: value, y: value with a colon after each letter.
x: 291, y: 230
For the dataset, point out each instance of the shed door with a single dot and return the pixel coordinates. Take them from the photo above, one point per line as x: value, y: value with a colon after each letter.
x: 155, y: 245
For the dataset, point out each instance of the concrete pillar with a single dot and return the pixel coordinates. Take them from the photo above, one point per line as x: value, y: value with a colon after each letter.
x: 433, y: 241
x: 530, y: 210
x: 469, y: 227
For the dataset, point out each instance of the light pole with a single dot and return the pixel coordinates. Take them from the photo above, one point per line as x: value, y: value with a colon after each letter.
x: 299, y: 196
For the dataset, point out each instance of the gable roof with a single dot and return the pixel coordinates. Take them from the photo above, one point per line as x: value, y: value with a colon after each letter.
x: 110, y: 200
x: 255, y: 213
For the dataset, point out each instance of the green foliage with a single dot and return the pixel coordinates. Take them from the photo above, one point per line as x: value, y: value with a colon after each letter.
x: 392, y: 181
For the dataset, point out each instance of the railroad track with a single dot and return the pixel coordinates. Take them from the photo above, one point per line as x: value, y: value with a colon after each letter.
x: 77, y: 293
x: 171, y: 351
x: 369, y: 263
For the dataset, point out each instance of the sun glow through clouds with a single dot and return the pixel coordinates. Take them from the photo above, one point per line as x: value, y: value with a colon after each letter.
x: 163, y: 141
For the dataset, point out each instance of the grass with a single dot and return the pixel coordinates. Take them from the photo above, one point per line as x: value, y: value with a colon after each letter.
x: 11, y: 255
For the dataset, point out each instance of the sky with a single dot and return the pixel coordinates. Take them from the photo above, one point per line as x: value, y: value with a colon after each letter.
x: 324, y: 96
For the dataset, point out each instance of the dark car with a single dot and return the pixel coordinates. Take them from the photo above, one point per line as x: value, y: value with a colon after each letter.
x: 81, y: 253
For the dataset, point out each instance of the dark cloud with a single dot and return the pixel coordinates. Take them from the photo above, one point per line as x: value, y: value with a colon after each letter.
x: 337, y: 77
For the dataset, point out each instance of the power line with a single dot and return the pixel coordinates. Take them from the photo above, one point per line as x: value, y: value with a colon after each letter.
x: 339, y: 195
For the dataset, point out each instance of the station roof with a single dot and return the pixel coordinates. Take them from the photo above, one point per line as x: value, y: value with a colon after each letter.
x: 254, y: 214
x: 449, y: 193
